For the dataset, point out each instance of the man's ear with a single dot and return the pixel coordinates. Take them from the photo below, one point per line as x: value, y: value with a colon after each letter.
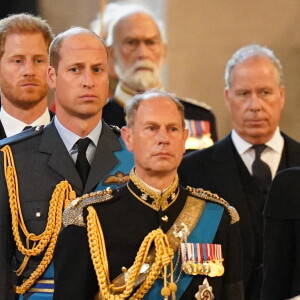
x: 127, y: 134
x: 51, y: 77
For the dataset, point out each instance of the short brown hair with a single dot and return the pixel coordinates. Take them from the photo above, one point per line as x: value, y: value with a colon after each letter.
x: 54, y: 50
x: 24, y: 23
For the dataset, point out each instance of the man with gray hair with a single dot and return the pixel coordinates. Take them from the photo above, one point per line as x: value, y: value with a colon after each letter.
x: 240, y: 167
x: 137, y: 45
x: 119, y: 244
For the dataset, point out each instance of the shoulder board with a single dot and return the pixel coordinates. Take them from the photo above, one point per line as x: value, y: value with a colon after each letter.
x: 24, y: 135
x: 208, y: 196
x: 115, y: 129
x: 73, y: 214
x: 196, y: 102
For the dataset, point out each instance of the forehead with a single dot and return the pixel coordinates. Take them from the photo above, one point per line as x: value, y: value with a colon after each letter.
x: 137, y: 26
x: 255, y: 68
x: 33, y: 41
x: 158, y: 109
x: 79, y: 45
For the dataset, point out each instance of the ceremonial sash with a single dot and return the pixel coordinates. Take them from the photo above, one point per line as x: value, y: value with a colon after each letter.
x: 43, y: 289
x: 204, y: 232
x: 120, y: 173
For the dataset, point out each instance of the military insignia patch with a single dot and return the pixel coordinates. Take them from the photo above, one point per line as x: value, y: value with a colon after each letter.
x: 118, y: 178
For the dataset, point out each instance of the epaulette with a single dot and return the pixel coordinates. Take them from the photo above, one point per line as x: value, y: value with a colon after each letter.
x: 24, y: 135
x: 196, y: 102
x: 115, y: 128
x: 73, y: 214
x: 208, y: 196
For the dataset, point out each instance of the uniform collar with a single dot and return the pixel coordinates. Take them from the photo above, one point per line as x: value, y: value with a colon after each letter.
x: 124, y: 93
x: 150, y: 196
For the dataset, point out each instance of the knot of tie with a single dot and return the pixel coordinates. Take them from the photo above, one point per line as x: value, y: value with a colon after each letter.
x: 82, y: 165
x: 260, y: 170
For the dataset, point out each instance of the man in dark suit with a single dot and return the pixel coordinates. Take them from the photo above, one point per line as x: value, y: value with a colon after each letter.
x: 44, y: 167
x: 25, y: 40
x: 138, y: 49
x: 254, y: 96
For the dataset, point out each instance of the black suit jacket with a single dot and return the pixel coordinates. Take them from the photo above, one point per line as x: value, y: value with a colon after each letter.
x: 218, y: 169
x: 42, y: 161
x: 282, y: 237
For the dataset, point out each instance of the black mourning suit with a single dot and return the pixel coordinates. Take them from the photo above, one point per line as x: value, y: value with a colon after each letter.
x: 220, y: 169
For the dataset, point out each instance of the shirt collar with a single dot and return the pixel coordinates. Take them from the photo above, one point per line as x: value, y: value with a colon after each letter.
x: 13, y: 126
x: 276, y: 142
x: 70, y: 138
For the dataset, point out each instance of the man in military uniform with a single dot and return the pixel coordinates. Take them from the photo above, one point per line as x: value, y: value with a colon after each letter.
x: 137, y: 47
x: 103, y: 231
x: 24, y: 43
x: 43, y: 167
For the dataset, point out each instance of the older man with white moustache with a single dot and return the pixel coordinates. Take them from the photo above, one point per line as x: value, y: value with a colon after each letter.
x: 137, y: 46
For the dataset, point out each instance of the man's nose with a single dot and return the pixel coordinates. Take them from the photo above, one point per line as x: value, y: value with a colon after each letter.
x: 88, y: 79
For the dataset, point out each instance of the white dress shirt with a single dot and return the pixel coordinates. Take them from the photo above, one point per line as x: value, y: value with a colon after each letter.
x: 13, y: 126
x: 271, y: 155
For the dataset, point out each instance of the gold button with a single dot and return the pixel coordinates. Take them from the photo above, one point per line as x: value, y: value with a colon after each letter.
x: 165, y: 218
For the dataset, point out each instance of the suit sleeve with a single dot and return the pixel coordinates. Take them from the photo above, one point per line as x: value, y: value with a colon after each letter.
x: 75, y: 278
x: 282, y: 237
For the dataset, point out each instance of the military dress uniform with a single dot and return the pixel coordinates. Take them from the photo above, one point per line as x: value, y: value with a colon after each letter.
x: 199, y: 117
x: 38, y: 175
x: 127, y: 216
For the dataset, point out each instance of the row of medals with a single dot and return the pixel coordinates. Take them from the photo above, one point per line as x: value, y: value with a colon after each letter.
x: 211, y: 268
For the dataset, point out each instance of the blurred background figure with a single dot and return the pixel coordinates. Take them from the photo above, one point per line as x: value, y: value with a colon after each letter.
x: 137, y: 49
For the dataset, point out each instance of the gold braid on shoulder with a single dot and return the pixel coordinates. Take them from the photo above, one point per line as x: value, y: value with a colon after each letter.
x: 61, y: 197
x: 163, y: 257
x: 207, y: 195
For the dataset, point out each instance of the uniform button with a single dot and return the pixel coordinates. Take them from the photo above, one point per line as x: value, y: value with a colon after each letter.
x: 165, y: 218
x: 38, y: 214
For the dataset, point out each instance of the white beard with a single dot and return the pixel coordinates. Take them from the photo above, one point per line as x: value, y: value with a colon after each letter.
x: 139, y: 79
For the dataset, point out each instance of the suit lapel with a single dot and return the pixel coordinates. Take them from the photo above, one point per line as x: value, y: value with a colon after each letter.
x: 60, y: 160
x: 223, y: 159
x: 104, y: 159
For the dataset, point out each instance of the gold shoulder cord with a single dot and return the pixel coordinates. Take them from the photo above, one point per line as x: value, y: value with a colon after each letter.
x: 163, y: 258
x: 61, y: 197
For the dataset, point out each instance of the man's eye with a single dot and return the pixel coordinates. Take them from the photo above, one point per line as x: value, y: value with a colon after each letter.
x: 73, y: 69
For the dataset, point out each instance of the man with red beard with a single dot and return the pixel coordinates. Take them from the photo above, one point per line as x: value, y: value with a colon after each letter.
x: 136, y: 45
x: 24, y: 43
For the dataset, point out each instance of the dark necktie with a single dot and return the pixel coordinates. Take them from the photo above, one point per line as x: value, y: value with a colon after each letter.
x: 82, y: 165
x: 27, y: 127
x: 260, y: 170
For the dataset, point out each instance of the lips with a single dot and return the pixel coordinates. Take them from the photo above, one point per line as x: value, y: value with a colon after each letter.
x: 88, y: 97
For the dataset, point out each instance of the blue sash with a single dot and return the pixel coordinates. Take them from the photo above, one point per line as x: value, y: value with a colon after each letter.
x: 124, y: 166
x: 204, y: 232
x: 39, y: 285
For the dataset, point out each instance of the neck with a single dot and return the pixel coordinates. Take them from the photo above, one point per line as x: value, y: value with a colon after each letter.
x: 28, y: 115
x: 81, y: 127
